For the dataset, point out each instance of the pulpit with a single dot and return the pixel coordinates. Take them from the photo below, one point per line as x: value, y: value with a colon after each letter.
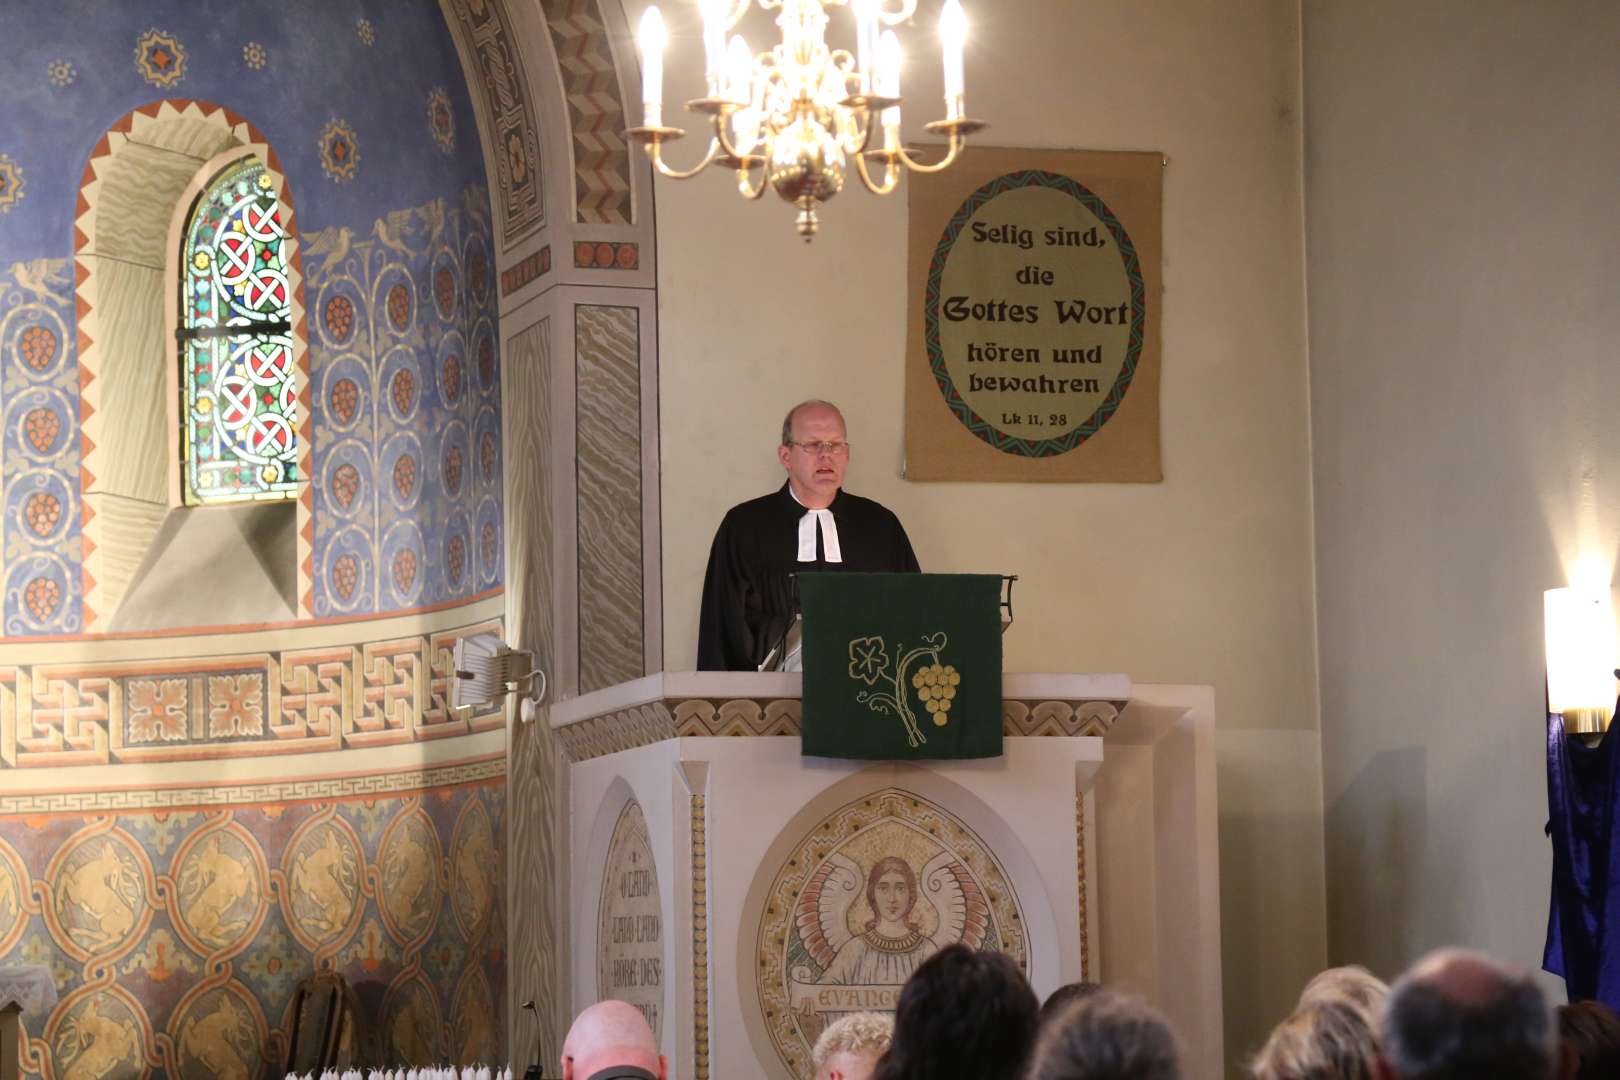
x: 743, y: 895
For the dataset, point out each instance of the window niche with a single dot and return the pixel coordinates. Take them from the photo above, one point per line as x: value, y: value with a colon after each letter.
x: 157, y: 556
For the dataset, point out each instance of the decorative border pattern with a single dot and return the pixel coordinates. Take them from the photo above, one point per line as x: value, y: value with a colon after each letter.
x: 248, y: 793
x: 607, y: 255
x: 249, y: 138
x: 290, y: 701
x: 595, y: 111
x: 1080, y: 859
x: 699, y: 718
x: 509, y: 113
x: 980, y: 427
x: 527, y: 269
x: 700, y: 939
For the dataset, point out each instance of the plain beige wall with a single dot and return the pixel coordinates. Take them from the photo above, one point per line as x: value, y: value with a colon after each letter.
x: 1464, y: 257
x: 1205, y: 578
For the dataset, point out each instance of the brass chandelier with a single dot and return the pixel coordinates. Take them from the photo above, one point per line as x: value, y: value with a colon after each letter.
x: 800, y: 112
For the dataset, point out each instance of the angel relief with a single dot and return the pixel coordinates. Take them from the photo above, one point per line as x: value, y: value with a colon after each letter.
x: 886, y: 882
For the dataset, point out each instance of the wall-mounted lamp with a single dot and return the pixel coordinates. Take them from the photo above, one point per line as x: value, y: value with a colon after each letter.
x: 1581, y: 654
x: 487, y: 669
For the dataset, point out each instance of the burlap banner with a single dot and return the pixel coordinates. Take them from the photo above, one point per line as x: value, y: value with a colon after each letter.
x: 1033, y: 342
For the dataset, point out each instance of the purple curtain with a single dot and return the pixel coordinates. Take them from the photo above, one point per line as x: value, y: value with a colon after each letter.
x: 1583, y: 923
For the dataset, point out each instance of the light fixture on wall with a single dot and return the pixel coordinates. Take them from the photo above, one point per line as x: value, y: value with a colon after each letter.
x: 1581, y: 648
x: 487, y: 669
x: 801, y: 111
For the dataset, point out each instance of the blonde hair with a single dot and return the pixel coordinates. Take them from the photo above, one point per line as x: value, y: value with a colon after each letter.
x: 857, y: 1033
x: 1353, y: 985
x: 1323, y: 1040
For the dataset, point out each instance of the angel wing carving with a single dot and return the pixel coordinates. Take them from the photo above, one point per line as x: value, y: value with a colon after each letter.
x: 823, y: 908
x: 964, y: 913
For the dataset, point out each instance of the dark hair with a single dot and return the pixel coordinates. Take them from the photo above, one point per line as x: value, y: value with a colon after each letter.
x: 1592, y: 1032
x: 1507, y: 1035
x: 1064, y: 996
x: 885, y: 865
x: 1106, y: 1036
x: 963, y: 1015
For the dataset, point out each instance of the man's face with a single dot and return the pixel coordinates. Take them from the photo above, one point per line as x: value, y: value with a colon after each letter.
x: 849, y: 1065
x: 815, y: 477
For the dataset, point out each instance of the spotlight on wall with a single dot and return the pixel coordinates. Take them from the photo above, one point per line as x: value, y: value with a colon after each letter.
x: 1581, y: 655
x: 487, y: 669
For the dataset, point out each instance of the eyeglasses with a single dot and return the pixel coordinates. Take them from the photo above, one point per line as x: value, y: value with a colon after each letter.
x: 816, y: 449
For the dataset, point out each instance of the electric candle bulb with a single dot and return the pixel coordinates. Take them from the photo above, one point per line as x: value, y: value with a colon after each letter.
x: 651, y: 38
x: 952, y: 37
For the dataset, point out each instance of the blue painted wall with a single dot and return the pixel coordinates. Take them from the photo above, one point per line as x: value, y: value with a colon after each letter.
x: 291, y: 69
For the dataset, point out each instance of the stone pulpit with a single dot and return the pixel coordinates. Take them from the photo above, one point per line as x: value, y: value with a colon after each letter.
x: 743, y: 895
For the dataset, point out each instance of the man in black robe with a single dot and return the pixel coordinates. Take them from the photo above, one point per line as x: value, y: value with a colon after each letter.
x: 809, y: 524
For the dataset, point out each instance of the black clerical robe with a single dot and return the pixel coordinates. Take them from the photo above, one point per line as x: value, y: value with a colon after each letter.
x: 748, y: 590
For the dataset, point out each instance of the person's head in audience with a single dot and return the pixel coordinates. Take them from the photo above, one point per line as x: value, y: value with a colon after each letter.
x: 1352, y: 984
x: 850, y: 1046
x: 1064, y: 996
x: 1324, y: 1040
x: 1106, y: 1036
x: 611, y: 1041
x: 1589, y: 1033
x: 1458, y: 1014
x: 963, y: 1015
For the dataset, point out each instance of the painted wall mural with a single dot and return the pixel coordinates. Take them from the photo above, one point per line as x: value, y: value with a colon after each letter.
x: 178, y: 937
x: 874, y: 889
x: 368, y: 114
x: 282, y: 701
x: 405, y: 364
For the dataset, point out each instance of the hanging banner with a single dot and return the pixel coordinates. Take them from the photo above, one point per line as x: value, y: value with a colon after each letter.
x: 1033, y: 318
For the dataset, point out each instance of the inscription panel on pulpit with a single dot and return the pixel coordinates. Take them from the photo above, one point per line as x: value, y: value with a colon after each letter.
x: 629, y: 926
x: 864, y: 897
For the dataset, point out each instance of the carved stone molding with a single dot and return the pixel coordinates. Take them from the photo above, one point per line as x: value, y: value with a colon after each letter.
x: 690, y: 718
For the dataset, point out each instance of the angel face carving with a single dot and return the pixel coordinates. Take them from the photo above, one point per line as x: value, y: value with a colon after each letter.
x: 874, y: 890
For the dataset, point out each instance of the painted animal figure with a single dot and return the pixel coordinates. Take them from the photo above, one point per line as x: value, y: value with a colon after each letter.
x: 320, y: 875
x: 221, y: 1041
x: 102, y: 888
x: 218, y: 882
x: 99, y: 1043
x: 472, y: 863
x: 410, y: 871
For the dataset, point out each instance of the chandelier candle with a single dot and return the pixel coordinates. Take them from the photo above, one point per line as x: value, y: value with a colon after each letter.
x: 794, y: 118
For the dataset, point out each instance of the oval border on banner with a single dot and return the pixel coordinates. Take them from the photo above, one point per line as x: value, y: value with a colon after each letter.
x: 980, y: 427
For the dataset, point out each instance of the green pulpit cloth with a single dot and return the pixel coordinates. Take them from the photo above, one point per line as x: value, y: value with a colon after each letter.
x: 901, y: 666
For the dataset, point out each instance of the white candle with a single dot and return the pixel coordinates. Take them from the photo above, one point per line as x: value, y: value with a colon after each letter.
x: 714, y: 45
x: 889, y: 59
x: 739, y: 71
x: 651, y: 38
x: 866, y: 40
x: 952, y: 37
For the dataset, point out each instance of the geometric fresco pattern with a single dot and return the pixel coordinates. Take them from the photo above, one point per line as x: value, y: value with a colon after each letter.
x: 595, y: 111
x: 406, y: 370
x: 507, y: 109
x: 292, y: 701
x: 177, y: 937
x: 39, y: 450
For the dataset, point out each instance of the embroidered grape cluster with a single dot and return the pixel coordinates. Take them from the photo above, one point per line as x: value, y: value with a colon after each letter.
x: 936, y: 687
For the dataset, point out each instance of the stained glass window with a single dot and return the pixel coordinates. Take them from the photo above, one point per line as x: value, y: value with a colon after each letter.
x: 238, y: 387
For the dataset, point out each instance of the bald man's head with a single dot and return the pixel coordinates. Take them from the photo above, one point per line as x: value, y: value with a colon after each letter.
x: 608, y: 1034
x: 1462, y: 1014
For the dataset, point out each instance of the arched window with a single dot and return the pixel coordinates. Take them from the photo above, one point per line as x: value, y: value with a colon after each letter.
x: 238, y: 384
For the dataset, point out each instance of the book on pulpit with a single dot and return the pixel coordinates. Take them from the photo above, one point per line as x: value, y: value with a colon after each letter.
x: 901, y: 666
